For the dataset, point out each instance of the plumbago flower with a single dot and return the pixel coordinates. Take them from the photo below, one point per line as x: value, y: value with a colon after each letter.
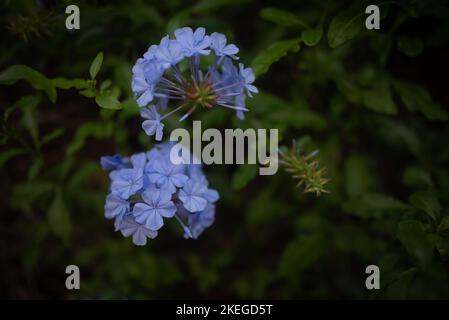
x: 147, y: 189
x: 171, y: 74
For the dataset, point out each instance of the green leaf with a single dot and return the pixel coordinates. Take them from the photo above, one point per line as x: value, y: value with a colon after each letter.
x: 418, y: 99
x: 35, y: 167
x: 211, y: 5
x: 23, y: 102
x: 265, y: 209
x: 312, y: 37
x: 52, y: 135
x: 90, y: 129
x: 358, y: 175
x: 426, y: 201
x: 59, y: 217
x: 9, y: 154
x: 410, y: 46
x: 244, y: 174
x: 379, y: 99
x: 281, y: 17
x: 345, y: 26
x: 417, y: 177
x: 273, y: 53
x: 105, y: 85
x: 375, y: 205
x: 65, y: 84
x: 30, y: 122
x: 108, y: 102
x: 27, y: 196
x: 444, y: 224
x: 38, y: 81
x: 412, y: 236
x: 89, y: 93
x: 301, y: 254
x: 96, y: 65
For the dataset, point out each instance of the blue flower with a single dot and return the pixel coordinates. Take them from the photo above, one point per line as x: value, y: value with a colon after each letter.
x: 198, y: 222
x: 192, y: 196
x: 153, y: 125
x: 115, y: 207
x: 195, y: 195
x: 126, y: 182
x: 150, y: 55
x: 169, y: 52
x: 143, y: 90
x: 128, y: 226
x: 218, y: 44
x: 114, y: 162
x: 157, y: 204
x: 166, y: 175
x: 248, y: 78
x: 193, y: 43
x: 139, y: 160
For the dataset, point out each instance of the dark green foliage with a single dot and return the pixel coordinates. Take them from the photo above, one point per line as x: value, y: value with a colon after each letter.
x: 374, y: 103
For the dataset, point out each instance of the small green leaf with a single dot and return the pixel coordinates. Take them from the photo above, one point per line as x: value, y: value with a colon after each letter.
x: 108, y: 102
x: 35, y: 167
x: 379, y: 99
x: 88, y: 93
x: 97, y: 130
x: 426, y: 201
x: 9, y: 154
x: 37, y: 80
x: 273, y: 53
x: 59, y: 217
x: 417, y: 177
x: 312, y: 37
x: 375, y: 205
x: 65, y: 84
x: 410, y: 46
x: 418, y: 99
x: 52, y: 135
x: 301, y: 254
x: 281, y: 17
x: 244, y: 174
x: 359, y: 176
x: 96, y: 65
x: 105, y: 84
x: 345, y: 26
x: 30, y: 122
x: 444, y: 224
x: 412, y: 236
x: 23, y: 102
x: 26, y: 196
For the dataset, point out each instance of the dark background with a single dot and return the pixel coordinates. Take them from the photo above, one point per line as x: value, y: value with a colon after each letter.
x: 374, y: 103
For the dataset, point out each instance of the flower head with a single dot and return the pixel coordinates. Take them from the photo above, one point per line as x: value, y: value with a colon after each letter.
x: 159, y: 76
x: 147, y: 189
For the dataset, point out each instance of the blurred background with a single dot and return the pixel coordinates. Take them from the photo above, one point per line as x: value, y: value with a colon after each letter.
x: 373, y: 102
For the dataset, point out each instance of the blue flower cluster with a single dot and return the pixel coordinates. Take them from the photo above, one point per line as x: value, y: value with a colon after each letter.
x: 171, y: 71
x: 147, y: 188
